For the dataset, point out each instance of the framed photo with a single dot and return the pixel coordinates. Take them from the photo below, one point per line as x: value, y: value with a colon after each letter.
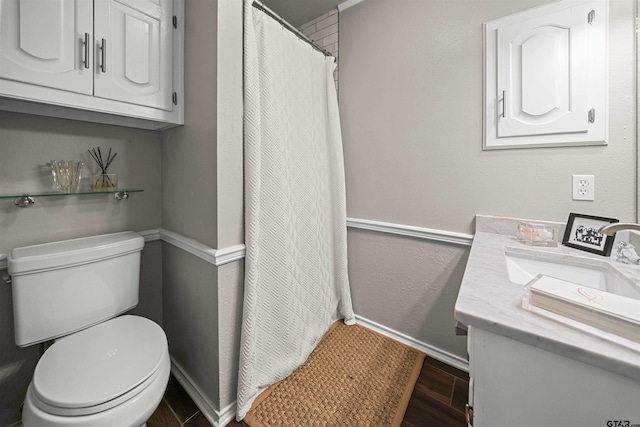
x: 582, y: 233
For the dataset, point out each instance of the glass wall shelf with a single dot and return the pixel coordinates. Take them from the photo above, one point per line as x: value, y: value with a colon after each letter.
x: 25, y: 200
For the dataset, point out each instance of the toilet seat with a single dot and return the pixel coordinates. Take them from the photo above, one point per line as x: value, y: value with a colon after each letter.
x: 99, y: 368
x: 89, y: 410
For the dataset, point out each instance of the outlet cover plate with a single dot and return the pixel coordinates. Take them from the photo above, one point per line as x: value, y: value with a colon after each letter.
x: 584, y: 187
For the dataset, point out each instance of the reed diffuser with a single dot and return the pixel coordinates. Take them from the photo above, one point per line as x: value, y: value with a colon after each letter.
x: 103, y: 181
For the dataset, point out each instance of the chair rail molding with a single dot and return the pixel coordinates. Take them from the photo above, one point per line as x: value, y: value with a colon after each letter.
x: 216, y: 257
x: 453, y: 237
x: 233, y: 253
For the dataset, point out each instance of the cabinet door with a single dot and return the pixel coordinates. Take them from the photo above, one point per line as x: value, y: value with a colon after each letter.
x: 47, y: 43
x: 134, y: 51
x: 542, y: 75
x: 517, y: 384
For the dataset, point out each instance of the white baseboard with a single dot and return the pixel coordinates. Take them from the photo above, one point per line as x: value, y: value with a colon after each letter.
x: 431, y: 351
x: 198, y: 397
x: 227, y: 414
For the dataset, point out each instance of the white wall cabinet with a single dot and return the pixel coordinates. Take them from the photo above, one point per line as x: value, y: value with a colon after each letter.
x: 515, y: 384
x: 136, y: 64
x: 119, y: 62
x: 42, y: 43
x: 546, y: 76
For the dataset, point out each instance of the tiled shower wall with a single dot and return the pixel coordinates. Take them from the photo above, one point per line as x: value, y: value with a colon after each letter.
x: 323, y: 31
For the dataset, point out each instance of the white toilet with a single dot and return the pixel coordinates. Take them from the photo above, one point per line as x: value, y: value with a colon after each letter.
x: 102, y: 370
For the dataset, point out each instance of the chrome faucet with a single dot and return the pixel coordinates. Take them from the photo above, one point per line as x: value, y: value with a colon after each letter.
x: 625, y: 252
x: 611, y: 229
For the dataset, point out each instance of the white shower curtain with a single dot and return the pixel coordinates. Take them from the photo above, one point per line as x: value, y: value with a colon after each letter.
x: 296, y: 282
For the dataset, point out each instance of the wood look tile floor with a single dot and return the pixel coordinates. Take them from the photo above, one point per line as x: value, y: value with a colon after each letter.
x: 177, y: 409
x: 438, y: 400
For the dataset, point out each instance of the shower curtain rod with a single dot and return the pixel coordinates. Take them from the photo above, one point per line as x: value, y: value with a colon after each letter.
x: 261, y: 6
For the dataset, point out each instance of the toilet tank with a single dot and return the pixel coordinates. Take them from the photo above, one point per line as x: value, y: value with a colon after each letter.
x: 62, y: 287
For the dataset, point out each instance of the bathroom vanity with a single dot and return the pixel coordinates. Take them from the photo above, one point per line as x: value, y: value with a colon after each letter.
x: 528, y: 369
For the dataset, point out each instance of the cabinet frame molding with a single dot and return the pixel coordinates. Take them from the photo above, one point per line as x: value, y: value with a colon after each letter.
x: 598, y: 89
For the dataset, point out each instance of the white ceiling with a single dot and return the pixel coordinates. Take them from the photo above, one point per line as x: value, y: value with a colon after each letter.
x: 299, y: 12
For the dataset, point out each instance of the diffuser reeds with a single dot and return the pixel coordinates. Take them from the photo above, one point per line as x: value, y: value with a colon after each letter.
x: 103, y: 180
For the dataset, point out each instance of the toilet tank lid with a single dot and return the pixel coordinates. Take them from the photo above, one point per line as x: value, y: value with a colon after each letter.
x: 36, y: 258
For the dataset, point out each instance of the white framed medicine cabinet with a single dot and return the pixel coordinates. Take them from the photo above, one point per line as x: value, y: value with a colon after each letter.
x: 546, y: 77
x: 108, y: 61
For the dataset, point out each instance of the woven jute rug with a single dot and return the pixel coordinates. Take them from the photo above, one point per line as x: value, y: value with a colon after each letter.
x: 354, y: 377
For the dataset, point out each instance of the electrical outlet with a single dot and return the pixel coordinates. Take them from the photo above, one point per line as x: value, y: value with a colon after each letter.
x: 584, y: 187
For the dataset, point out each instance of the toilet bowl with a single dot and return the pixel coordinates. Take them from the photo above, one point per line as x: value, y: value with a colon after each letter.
x: 112, y: 374
x: 105, y: 368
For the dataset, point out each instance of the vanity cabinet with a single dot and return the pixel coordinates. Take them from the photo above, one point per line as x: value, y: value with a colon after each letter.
x: 119, y: 58
x: 516, y: 384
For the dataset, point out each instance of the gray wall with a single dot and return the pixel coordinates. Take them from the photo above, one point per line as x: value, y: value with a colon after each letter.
x: 202, y: 200
x: 186, y: 172
x: 16, y: 364
x: 408, y: 285
x: 411, y: 104
x: 411, y: 110
x: 410, y: 98
x: 27, y: 144
x: 189, y: 170
x: 230, y: 192
x: 190, y: 311
x: 189, y: 208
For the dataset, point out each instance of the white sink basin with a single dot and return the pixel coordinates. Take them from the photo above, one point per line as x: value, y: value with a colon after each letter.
x: 523, y: 265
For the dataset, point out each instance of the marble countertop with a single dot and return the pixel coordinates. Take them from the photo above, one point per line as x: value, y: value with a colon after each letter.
x: 489, y: 300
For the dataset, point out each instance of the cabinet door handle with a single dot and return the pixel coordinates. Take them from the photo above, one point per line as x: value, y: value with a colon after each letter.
x: 504, y: 103
x: 86, y: 50
x: 103, y: 56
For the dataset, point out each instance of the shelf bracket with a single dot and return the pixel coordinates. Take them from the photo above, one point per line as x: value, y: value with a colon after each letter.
x: 24, y: 201
x: 121, y: 195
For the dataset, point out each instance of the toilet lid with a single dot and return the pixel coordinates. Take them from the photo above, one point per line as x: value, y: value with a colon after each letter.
x: 100, y: 363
